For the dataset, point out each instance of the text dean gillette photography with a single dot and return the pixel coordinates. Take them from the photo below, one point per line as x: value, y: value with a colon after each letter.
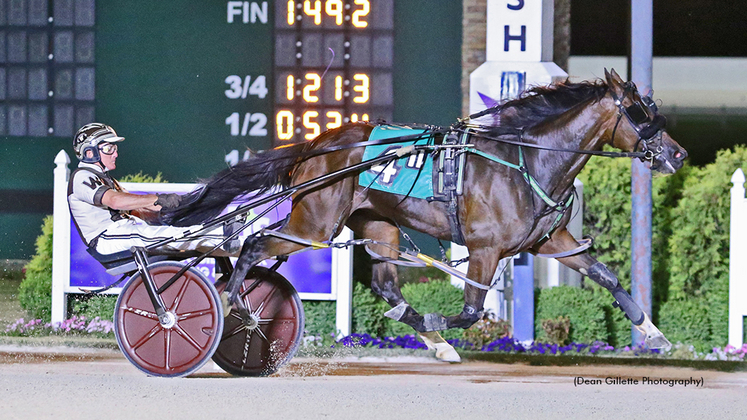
x: 644, y: 380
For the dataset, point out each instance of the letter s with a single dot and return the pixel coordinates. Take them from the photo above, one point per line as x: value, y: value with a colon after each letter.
x: 516, y: 6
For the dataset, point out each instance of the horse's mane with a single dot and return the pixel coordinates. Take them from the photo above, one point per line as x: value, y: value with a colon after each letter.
x: 542, y: 104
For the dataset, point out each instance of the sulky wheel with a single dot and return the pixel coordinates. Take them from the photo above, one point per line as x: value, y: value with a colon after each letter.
x: 191, y: 331
x: 272, y: 334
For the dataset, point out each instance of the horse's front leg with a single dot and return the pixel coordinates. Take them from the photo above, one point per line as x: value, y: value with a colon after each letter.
x: 561, y: 241
x: 482, y: 266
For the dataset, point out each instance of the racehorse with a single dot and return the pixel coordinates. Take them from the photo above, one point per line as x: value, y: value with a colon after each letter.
x: 549, y: 134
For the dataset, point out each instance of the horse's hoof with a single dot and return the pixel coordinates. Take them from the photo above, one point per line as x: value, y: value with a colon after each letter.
x: 654, y: 338
x: 224, y: 301
x: 658, y: 341
x: 446, y: 353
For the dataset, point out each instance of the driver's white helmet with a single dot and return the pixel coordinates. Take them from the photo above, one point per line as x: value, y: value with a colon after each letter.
x: 89, y: 137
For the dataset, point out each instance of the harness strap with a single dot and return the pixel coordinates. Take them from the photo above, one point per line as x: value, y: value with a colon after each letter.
x: 450, y: 177
x: 584, y: 244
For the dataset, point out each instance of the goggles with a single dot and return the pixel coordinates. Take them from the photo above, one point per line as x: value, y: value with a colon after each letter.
x: 108, y: 148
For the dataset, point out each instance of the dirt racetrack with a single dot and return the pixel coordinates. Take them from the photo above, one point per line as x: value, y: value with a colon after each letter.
x: 101, y: 384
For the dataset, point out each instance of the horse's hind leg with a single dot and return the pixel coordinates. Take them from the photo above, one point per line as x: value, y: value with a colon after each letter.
x: 384, y: 282
x: 589, y: 266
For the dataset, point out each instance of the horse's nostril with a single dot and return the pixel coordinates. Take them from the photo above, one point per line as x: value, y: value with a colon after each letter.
x: 678, y: 155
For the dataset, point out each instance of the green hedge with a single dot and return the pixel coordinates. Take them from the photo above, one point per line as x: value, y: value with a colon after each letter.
x: 690, y: 244
x: 35, y: 292
x: 699, y: 249
x: 586, y: 314
x: 368, y: 310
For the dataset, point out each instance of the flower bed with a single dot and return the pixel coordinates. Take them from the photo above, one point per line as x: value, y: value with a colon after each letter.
x: 73, y: 326
x: 510, y: 345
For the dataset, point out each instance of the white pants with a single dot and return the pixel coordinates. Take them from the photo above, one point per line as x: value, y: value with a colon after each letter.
x: 126, y: 233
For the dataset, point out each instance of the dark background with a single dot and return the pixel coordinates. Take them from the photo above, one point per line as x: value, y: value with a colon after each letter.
x: 682, y: 28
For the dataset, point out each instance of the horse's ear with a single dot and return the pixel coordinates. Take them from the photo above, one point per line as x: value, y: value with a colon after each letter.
x: 617, y: 77
x: 614, y: 82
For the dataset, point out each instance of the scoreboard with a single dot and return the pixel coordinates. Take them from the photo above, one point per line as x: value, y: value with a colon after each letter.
x: 215, y: 78
x: 193, y: 84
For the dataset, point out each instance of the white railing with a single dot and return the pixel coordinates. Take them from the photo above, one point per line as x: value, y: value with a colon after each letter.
x: 737, y: 260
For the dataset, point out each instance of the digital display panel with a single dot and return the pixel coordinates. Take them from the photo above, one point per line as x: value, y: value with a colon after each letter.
x: 332, y: 65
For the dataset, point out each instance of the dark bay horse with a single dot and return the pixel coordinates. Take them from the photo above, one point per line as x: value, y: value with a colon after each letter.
x: 499, y: 213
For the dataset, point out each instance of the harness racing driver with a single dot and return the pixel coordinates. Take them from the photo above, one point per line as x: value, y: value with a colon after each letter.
x: 101, y: 208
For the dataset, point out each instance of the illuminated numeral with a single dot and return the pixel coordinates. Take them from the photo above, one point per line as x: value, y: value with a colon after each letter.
x: 258, y: 129
x: 354, y: 117
x: 334, y: 9
x: 315, y: 11
x: 338, y: 88
x: 290, y: 87
x: 240, y: 90
x: 361, y: 13
x: 362, y: 88
x: 311, y: 125
x: 291, y: 12
x: 284, y: 123
x: 336, y: 119
x: 310, y: 89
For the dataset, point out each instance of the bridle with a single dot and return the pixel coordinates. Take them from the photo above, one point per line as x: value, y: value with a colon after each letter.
x: 649, y: 129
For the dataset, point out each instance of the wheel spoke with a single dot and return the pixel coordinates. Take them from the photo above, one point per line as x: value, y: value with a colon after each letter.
x: 239, y: 328
x: 265, y: 300
x: 250, y: 288
x: 140, y: 312
x: 167, y: 346
x: 262, y: 335
x: 246, y: 347
x: 266, y: 320
x: 180, y: 295
x: 155, y: 330
x: 187, y: 337
x: 190, y: 315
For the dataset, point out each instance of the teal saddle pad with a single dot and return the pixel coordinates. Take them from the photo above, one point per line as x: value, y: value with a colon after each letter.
x: 411, y: 174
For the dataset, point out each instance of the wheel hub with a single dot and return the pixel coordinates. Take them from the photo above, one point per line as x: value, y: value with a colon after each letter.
x: 167, y: 320
x: 251, y: 322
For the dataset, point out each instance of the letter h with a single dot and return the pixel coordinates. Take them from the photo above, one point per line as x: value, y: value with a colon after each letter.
x: 508, y: 37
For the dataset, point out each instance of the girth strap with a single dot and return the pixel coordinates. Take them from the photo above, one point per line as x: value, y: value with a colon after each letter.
x: 450, y: 176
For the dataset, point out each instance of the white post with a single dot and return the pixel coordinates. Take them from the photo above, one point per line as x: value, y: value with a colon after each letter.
x: 737, y: 266
x: 342, y: 278
x: 60, y: 238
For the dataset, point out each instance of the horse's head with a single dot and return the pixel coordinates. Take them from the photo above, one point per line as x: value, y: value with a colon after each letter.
x: 640, y: 127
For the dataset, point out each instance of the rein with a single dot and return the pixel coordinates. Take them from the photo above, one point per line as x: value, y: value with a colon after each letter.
x: 520, y: 133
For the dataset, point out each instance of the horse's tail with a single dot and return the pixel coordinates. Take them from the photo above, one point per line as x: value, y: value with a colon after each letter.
x: 258, y: 174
